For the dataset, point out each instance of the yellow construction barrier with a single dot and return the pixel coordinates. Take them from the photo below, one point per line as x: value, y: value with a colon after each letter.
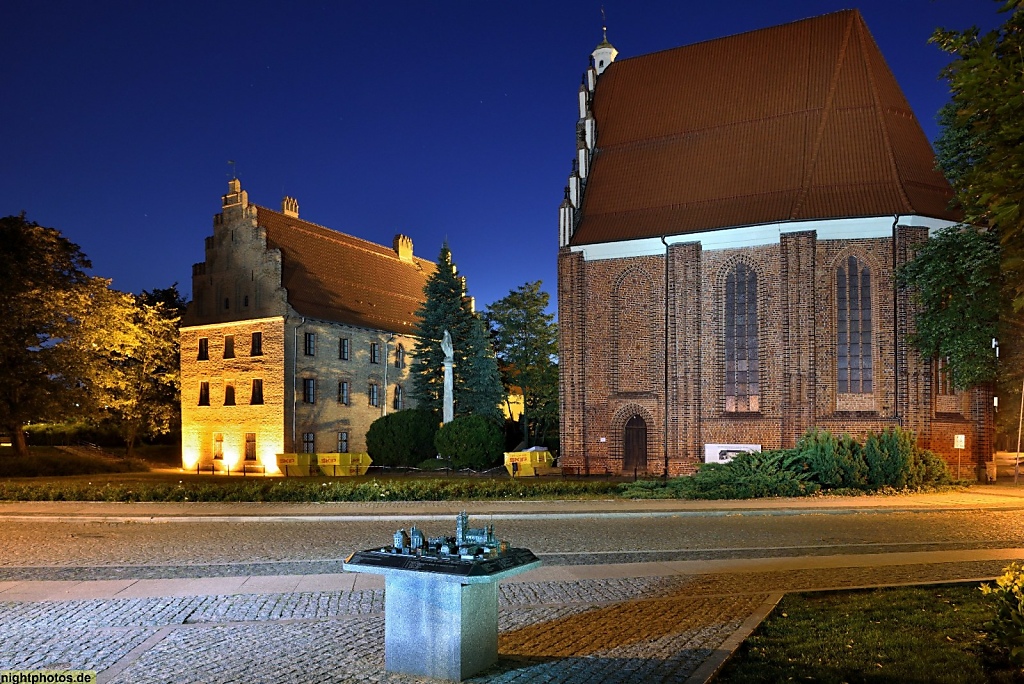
x: 328, y: 464
x: 532, y: 462
x: 293, y: 464
x: 344, y: 464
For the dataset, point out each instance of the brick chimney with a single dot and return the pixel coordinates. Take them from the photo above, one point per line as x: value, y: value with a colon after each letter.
x: 290, y: 207
x: 403, y: 247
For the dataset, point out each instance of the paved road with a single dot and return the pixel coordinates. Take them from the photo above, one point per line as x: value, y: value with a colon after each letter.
x: 68, y: 549
x: 655, y: 591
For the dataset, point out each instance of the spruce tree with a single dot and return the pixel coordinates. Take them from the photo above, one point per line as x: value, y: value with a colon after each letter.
x: 476, y: 385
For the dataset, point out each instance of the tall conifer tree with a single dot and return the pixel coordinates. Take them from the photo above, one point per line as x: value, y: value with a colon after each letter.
x: 476, y: 384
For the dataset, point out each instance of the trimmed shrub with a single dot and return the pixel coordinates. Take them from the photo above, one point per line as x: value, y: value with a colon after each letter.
x: 751, y: 475
x: 932, y: 469
x: 889, y: 457
x: 819, y: 452
x: 850, y: 459
x: 833, y: 463
x: 470, y: 442
x: 404, y: 438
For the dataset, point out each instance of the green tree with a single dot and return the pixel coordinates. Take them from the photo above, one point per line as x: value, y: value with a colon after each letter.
x: 476, y: 382
x: 956, y: 280
x: 525, y: 339
x: 981, y: 145
x: 130, y: 349
x: 43, y: 293
x: 470, y: 442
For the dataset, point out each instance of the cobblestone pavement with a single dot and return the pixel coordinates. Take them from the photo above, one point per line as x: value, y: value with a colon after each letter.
x: 658, y: 629
x: 113, y: 550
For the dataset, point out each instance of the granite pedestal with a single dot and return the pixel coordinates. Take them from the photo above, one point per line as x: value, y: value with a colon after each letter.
x: 441, y: 618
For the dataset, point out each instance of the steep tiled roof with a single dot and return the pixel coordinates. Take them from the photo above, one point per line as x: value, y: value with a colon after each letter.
x: 337, y: 277
x: 801, y: 121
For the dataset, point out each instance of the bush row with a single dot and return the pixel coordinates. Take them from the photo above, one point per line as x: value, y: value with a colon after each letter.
x: 820, y: 461
x: 407, y: 438
x: 279, y: 490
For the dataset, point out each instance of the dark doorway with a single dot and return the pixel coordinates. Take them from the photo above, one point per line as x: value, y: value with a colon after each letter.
x: 634, y: 443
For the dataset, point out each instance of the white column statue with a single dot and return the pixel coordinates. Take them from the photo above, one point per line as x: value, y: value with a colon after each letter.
x: 446, y: 347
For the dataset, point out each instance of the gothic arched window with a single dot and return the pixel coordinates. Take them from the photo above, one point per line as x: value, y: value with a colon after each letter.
x: 853, y: 327
x: 742, y: 377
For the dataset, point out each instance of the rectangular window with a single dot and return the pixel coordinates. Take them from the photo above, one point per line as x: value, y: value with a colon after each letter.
x: 204, y: 393
x: 229, y: 393
x: 399, y: 402
x: 308, y: 443
x: 229, y: 346
x: 308, y: 390
x: 257, y: 392
x: 250, y: 446
x: 218, y: 446
x: 343, y: 392
x: 943, y: 378
x: 204, y: 349
x: 342, y: 442
x: 374, y: 393
x: 742, y: 379
x: 343, y: 349
x: 853, y: 327
x: 310, y: 345
x: 256, y: 349
x: 375, y: 352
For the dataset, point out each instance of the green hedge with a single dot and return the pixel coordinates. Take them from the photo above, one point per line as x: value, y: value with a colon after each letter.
x: 304, y: 490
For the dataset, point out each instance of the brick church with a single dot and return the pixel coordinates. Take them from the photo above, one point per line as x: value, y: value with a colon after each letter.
x: 728, y: 241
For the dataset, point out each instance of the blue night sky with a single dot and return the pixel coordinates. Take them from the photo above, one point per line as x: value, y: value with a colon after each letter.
x: 442, y: 120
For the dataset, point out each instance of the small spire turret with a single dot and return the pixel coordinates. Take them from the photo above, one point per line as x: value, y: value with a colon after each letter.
x: 605, y: 53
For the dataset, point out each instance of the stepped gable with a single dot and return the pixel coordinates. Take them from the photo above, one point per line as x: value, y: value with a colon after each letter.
x: 797, y: 122
x: 337, y: 277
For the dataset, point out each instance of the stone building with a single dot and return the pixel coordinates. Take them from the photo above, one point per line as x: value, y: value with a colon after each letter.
x: 297, y: 338
x: 728, y: 241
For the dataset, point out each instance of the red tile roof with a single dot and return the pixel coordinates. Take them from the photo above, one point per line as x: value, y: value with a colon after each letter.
x: 801, y: 121
x: 337, y: 277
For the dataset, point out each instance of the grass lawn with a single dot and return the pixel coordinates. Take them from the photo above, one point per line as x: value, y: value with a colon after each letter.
x: 915, y: 634
x: 53, y: 462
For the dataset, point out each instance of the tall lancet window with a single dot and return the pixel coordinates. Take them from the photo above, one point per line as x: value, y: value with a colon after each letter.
x: 853, y: 327
x: 742, y: 371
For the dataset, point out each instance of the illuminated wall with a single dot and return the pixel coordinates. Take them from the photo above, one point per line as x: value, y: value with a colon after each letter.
x: 211, y: 410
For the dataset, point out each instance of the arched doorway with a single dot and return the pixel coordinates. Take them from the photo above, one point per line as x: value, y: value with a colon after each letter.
x: 634, y: 445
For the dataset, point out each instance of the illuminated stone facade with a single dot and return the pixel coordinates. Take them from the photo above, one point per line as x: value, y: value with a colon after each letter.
x: 298, y: 337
